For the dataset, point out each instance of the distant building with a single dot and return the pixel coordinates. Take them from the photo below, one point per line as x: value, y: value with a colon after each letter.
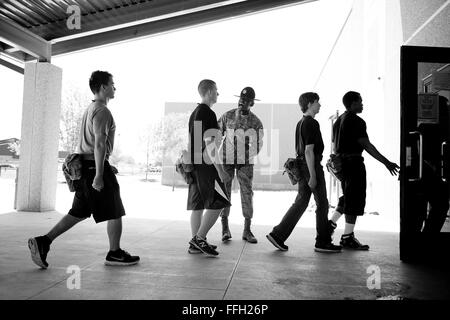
x: 8, y: 157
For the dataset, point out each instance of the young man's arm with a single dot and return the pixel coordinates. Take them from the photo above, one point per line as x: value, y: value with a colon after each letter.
x: 99, y: 155
x: 213, y: 145
x: 310, y: 158
x: 370, y: 148
x: 101, y: 122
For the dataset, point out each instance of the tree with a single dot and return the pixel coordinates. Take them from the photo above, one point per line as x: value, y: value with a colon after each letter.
x: 165, y: 139
x: 74, y: 102
x: 118, y: 157
x: 174, y: 135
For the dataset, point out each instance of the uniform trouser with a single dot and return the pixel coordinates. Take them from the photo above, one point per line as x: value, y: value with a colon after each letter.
x: 244, y: 174
x: 284, y: 229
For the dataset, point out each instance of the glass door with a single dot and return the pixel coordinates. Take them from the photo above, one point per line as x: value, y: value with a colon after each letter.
x: 425, y: 131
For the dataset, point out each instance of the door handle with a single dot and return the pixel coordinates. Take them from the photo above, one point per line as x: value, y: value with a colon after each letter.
x: 420, y: 156
x: 443, y: 146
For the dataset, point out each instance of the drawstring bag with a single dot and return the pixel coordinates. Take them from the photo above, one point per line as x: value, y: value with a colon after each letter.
x: 334, y: 166
x: 72, y: 171
x: 183, y: 168
x: 292, y: 167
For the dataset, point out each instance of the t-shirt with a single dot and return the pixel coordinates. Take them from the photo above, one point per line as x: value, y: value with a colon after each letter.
x: 347, y: 129
x: 243, y: 136
x: 201, y: 120
x: 310, y: 135
x: 96, y: 119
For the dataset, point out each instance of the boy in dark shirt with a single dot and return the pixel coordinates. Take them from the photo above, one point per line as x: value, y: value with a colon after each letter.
x: 207, y: 191
x: 308, y: 135
x: 350, y: 139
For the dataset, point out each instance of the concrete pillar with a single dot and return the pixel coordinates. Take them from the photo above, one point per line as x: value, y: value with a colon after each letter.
x: 36, y: 190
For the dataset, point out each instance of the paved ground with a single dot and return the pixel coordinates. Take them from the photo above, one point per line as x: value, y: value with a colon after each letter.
x: 242, y: 271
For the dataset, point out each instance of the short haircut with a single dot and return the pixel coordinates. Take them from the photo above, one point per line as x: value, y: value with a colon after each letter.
x: 306, y: 98
x: 204, y: 86
x: 97, y: 79
x: 349, y: 98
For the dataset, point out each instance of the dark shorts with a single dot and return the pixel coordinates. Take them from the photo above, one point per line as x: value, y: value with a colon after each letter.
x: 104, y: 205
x: 353, y: 200
x: 206, y: 191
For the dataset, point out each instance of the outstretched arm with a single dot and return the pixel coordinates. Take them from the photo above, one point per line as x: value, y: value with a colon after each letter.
x: 370, y: 148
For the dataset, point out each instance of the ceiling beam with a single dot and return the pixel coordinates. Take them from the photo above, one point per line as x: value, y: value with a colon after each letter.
x: 24, y: 40
x: 11, y: 66
x: 95, y: 19
x: 169, y: 24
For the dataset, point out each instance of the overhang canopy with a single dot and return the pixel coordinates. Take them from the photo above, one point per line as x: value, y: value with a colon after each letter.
x: 40, y: 29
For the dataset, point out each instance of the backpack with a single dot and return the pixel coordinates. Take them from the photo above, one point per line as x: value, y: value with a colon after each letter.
x: 292, y: 166
x: 334, y: 166
x: 71, y: 168
x: 183, y: 168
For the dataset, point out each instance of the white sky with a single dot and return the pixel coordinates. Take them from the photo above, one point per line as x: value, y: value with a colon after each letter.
x: 279, y: 53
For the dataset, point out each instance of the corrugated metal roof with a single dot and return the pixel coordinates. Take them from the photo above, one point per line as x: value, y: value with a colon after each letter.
x: 48, y: 18
x: 38, y: 29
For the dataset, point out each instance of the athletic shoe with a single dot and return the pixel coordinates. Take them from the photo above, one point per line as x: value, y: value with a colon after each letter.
x: 350, y: 242
x: 39, y: 248
x: 120, y: 258
x: 211, y: 245
x: 276, y: 242
x: 327, y: 247
x: 203, y: 246
x: 193, y: 250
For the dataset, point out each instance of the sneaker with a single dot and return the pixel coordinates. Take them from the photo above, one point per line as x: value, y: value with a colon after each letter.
x: 249, y: 237
x: 120, y: 258
x: 331, y: 227
x: 211, y: 245
x: 203, y: 246
x: 327, y: 247
x: 275, y: 241
x: 226, y: 235
x: 193, y: 250
x: 350, y: 242
x: 39, y: 249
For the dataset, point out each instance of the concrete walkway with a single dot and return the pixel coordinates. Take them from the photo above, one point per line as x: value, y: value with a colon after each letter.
x: 242, y: 271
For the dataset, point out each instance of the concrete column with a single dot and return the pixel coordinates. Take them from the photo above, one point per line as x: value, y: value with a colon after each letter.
x: 36, y: 190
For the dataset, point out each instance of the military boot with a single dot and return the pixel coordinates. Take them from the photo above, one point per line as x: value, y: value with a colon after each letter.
x: 226, y: 234
x: 247, y: 235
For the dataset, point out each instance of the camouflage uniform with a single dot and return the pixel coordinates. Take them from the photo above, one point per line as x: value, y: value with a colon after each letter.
x: 246, y: 131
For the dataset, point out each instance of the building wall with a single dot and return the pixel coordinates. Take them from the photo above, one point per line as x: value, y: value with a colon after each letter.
x: 423, y: 24
x: 367, y: 59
